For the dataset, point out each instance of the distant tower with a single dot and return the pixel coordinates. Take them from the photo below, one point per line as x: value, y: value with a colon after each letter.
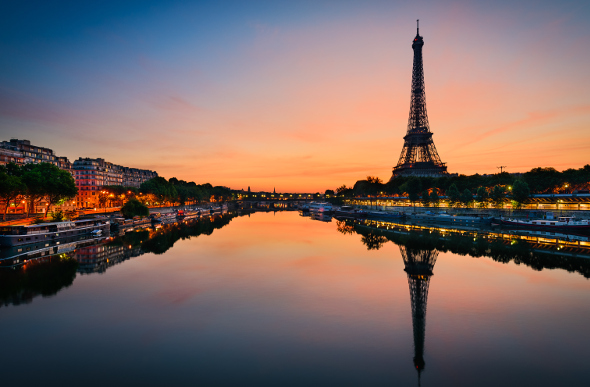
x: 419, y: 264
x: 274, y: 190
x: 419, y: 156
x: 248, y: 189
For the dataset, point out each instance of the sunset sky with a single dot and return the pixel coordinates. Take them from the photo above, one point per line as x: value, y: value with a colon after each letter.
x: 298, y: 95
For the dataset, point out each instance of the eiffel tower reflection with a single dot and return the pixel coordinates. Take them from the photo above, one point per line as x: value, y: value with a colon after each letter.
x: 419, y: 264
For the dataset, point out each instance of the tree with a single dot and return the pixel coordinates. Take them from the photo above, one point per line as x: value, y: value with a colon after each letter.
x: 33, y: 179
x: 11, y: 187
x: 373, y: 241
x: 412, y: 187
x: 329, y: 192
x: 160, y: 188
x: 374, y: 180
x: 434, y: 199
x: 481, y: 197
x: 520, y: 193
x: 59, y: 185
x: 467, y: 198
x: 453, y: 195
x: 341, y: 189
x: 134, y: 207
x: 497, y: 196
x: 425, y: 198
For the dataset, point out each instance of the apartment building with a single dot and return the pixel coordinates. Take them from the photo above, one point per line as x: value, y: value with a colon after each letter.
x: 93, y: 174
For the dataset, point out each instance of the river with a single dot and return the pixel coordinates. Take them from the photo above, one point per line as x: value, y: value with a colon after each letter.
x: 279, y: 299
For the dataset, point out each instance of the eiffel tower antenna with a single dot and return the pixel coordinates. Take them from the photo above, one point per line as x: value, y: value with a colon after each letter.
x: 419, y: 156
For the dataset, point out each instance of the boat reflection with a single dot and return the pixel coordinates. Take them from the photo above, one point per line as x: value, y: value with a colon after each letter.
x: 322, y: 217
x: 46, y: 270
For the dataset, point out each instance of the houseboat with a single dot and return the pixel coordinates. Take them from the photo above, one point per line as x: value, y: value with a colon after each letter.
x: 386, y: 215
x: 453, y: 219
x: 321, y: 216
x: 21, y: 235
x: 303, y: 207
x: 18, y: 255
x: 350, y: 213
x: 320, y: 207
x: 562, y: 223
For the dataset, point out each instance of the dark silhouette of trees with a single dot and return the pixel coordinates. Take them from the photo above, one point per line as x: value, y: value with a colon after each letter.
x: 11, y: 188
x: 539, y: 180
x: 373, y: 241
x: 482, y: 197
x: 134, y: 207
x: 497, y: 196
x: 453, y: 195
x: 520, y: 193
x: 467, y: 198
x: 425, y: 198
x: 434, y: 199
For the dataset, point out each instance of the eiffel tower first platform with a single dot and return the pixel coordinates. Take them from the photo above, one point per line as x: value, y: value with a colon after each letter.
x: 419, y: 156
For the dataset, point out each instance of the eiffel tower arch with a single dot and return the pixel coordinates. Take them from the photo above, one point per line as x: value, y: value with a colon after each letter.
x: 419, y: 264
x: 419, y: 156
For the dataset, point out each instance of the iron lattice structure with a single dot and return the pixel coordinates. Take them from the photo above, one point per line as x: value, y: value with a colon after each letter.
x: 419, y: 264
x: 419, y: 156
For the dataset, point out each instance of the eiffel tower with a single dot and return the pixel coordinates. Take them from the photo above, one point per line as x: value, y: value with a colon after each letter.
x: 419, y: 264
x: 419, y: 156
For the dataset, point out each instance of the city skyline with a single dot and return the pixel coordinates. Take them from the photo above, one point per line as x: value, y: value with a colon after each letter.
x: 302, y: 97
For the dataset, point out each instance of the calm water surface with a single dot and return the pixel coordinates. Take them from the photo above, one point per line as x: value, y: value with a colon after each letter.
x: 280, y: 299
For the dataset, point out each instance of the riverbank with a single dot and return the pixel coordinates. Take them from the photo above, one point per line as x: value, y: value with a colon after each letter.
x: 518, y: 214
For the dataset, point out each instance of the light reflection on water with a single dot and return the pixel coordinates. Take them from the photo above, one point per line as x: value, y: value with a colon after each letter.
x: 279, y: 299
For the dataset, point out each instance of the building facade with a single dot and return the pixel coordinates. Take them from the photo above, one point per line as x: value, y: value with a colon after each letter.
x: 29, y: 153
x: 21, y: 152
x: 93, y: 174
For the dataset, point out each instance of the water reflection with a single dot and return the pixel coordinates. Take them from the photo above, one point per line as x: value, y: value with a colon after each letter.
x: 420, y: 247
x: 36, y: 278
x: 285, y: 300
x: 419, y: 264
x: 537, y: 252
x: 47, y: 271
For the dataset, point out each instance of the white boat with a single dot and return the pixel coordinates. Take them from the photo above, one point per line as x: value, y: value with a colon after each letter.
x: 320, y: 207
x: 563, y: 222
x: 96, y: 233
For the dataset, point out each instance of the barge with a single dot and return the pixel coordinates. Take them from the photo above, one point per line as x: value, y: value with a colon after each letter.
x: 11, y: 236
x: 562, y: 223
x: 350, y: 213
x: 453, y: 219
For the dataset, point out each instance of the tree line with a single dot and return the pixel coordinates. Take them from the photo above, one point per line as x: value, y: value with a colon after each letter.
x: 34, y: 183
x: 158, y: 191
x: 464, y: 190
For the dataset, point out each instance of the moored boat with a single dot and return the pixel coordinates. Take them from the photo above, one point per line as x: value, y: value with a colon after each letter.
x: 320, y: 207
x: 350, y: 212
x: 385, y: 215
x: 446, y: 218
x: 21, y: 235
x: 562, y: 223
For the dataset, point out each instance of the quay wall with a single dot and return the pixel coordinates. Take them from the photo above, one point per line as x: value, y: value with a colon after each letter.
x: 524, y: 213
